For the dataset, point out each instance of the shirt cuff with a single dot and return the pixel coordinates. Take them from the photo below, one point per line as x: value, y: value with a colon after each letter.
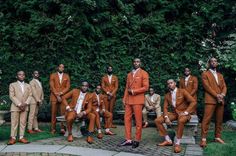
x: 186, y: 113
x: 97, y: 110
x: 166, y: 116
x: 67, y: 107
x: 84, y: 113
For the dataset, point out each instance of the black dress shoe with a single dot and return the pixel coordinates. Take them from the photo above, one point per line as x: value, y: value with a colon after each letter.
x: 126, y: 143
x: 135, y: 144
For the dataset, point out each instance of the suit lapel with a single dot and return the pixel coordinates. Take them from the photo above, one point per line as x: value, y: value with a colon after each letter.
x: 190, y: 79
x: 177, y: 95
x: 134, y: 76
x: 213, y: 77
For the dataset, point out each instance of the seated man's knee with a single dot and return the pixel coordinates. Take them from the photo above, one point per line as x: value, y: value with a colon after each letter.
x: 159, y: 120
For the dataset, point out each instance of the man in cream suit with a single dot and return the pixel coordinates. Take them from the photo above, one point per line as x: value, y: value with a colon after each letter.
x: 20, y: 95
x: 36, y: 101
x: 152, y: 104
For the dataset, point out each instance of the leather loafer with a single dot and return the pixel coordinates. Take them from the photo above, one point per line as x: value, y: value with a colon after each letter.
x: 126, y: 143
x: 89, y: 139
x: 177, y: 148
x: 11, y: 141
x: 24, y: 141
x: 70, y: 138
x: 203, y: 144
x: 219, y: 140
x: 100, y: 136
x: 165, y: 143
x: 135, y: 144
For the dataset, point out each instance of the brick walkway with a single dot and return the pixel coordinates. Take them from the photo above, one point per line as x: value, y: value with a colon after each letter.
x: 110, y: 143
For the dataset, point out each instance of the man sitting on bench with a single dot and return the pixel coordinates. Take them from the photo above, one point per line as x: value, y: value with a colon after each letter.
x: 79, y: 107
x: 98, y: 108
x: 183, y: 105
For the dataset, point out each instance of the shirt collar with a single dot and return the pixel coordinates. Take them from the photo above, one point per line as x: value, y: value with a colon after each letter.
x: 22, y: 83
x: 60, y: 73
x: 135, y: 70
x: 174, y: 91
x: 213, y: 71
x: 187, y: 77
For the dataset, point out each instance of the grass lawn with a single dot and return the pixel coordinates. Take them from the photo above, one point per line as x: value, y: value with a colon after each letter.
x: 5, y: 133
x: 216, y: 149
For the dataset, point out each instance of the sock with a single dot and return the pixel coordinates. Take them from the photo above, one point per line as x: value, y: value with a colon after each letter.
x: 13, y: 137
x: 167, y: 138
x: 178, y: 141
x: 83, y: 123
x: 99, y: 131
x: 107, y: 130
x: 21, y: 137
x: 36, y: 129
x: 203, y: 139
x: 128, y: 140
x: 217, y: 138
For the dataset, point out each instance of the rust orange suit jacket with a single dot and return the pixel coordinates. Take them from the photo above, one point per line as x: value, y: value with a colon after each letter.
x: 110, y: 87
x: 56, y: 86
x: 74, y: 95
x: 212, y: 88
x: 95, y: 102
x: 184, y: 102
x: 192, y: 85
x: 139, y: 84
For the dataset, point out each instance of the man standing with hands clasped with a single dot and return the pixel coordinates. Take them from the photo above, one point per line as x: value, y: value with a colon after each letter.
x: 20, y: 95
x: 59, y: 86
x: 215, y: 91
x: 137, y: 84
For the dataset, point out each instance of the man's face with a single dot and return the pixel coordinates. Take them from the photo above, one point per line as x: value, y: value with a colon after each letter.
x: 84, y: 87
x: 21, y: 76
x: 98, y: 89
x: 109, y: 69
x: 171, y: 84
x: 36, y: 74
x: 61, y: 68
x: 136, y: 63
x: 213, y: 63
x: 187, y: 72
x: 151, y: 91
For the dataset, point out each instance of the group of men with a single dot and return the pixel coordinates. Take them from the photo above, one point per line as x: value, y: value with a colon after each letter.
x: 90, y: 106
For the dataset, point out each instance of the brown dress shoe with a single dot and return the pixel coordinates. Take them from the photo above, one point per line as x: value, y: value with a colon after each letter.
x: 89, y: 139
x: 11, y: 141
x: 70, y: 138
x: 38, y: 131
x: 145, y: 125
x: 100, y: 136
x: 24, y: 141
x: 165, y: 143
x: 109, y: 133
x: 113, y: 126
x: 177, y: 148
x: 63, y: 131
x: 219, y: 140
x: 31, y: 131
x: 203, y: 144
x: 53, y: 131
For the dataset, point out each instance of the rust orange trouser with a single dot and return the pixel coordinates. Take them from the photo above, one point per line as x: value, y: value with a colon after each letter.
x: 137, y: 111
x: 71, y: 116
x: 172, y: 116
x: 54, y: 108
x: 109, y: 105
x: 208, y: 112
x: 107, y: 115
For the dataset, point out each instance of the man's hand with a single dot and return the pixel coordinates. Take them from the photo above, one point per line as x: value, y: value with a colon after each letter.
x: 22, y: 107
x: 59, y: 99
x: 130, y: 91
x: 183, y: 113
x: 220, y: 98
x: 167, y: 121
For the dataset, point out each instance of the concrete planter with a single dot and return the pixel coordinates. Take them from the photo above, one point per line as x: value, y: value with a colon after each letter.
x: 2, y: 113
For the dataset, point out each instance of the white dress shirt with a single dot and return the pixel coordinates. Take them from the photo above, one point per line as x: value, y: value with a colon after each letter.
x: 109, y: 78
x: 186, y: 80
x: 152, y: 98
x: 79, y: 103
x: 60, y: 76
x: 22, y: 86
x: 173, y: 97
x: 215, y: 75
x: 135, y: 71
x: 98, y: 102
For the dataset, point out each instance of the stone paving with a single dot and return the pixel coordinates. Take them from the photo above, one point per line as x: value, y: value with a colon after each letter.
x: 110, y: 144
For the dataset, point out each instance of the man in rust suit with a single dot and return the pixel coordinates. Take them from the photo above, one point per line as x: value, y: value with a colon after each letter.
x: 189, y: 83
x: 215, y: 91
x: 137, y: 84
x: 182, y: 104
x: 110, y: 86
x: 79, y: 107
x: 98, y: 108
x: 59, y: 86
